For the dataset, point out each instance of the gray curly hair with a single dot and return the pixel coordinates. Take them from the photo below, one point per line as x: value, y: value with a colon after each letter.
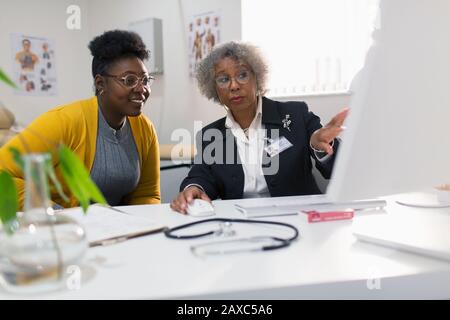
x: 239, y: 51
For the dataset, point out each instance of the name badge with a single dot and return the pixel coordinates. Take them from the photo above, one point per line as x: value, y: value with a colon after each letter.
x: 277, y: 146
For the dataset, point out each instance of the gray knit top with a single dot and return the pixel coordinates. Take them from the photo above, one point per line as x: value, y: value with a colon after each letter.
x: 116, y: 169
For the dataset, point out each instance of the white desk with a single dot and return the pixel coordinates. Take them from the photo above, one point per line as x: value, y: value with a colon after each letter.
x: 326, y: 262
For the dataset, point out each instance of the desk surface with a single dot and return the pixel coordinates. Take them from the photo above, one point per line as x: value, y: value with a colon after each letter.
x: 326, y: 262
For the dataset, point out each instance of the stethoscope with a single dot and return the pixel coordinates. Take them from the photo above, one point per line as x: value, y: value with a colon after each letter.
x: 280, y: 242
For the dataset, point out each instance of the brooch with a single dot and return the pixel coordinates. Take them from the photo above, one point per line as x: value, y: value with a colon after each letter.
x: 287, y: 122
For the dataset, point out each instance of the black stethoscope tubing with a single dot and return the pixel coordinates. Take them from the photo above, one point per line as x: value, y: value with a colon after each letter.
x: 283, y: 242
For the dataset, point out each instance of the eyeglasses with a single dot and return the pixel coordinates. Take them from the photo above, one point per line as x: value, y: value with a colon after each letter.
x: 131, y: 80
x: 224, y: 81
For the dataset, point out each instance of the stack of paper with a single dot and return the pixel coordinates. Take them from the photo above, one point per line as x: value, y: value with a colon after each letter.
x: 107, y: 225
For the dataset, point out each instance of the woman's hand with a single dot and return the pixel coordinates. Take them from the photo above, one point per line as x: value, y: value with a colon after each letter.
x: 321, y: 138
x: 185, y: 197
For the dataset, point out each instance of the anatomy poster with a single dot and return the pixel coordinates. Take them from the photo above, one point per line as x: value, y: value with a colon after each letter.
x: 203, y: 35
x: 34, y: 65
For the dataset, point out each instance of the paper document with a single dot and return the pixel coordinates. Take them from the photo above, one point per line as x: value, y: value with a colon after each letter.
x: 107, y: 225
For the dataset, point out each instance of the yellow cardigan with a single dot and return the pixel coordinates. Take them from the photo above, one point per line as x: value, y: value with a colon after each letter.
x: 75, y: 125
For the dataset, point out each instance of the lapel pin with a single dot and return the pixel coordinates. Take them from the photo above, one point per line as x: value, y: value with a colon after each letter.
x: 287, y: 122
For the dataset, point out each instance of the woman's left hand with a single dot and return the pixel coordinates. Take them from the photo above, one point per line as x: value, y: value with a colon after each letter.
x: 321, y: 138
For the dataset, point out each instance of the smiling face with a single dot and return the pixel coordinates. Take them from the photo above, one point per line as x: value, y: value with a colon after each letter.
x: 235, y: 85
x: 118, y: 99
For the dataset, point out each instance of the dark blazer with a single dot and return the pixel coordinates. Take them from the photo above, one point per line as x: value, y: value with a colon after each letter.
x: 225, y: 179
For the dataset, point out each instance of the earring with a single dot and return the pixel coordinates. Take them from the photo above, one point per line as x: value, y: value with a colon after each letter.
x: 101, y: 92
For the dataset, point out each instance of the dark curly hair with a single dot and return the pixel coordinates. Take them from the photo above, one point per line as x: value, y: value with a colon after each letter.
x: 114, y: 45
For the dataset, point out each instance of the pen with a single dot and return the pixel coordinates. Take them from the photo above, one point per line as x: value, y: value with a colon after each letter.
x: 118, y: 239
x: 109, y: 207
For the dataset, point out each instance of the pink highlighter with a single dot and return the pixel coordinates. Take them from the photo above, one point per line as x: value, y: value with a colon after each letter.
x: 322, y: 216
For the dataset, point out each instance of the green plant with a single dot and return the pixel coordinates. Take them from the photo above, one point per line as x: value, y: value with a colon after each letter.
x: 6, y: 79
x: 73, y: 172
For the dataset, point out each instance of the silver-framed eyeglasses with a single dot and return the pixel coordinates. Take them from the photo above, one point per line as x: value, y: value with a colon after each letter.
x: 131, y: 80
x: 223, y: 81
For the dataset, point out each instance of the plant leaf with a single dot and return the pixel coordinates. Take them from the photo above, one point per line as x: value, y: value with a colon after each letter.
x: 6, y: 79
x: 78, y: 180
x: 77, y: 192
x: 52, y: 175
x: 9, y: 203
x: 17, y: 157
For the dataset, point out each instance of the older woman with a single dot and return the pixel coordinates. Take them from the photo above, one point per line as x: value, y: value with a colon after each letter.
x: 264, y: 147
x: 108, y: 131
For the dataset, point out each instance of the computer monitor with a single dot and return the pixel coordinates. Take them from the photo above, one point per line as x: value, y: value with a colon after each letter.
x: 398, y: 131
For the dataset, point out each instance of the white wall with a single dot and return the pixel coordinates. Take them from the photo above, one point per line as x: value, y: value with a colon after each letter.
x: 325, y: 106
x: 175, y: 101
x: 230, y: 29
x: 46, y: 18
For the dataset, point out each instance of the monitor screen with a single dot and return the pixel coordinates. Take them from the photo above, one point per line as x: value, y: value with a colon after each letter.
x: 397, y: 136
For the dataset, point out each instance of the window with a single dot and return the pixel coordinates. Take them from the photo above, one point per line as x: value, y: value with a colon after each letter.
x: 312, y: 46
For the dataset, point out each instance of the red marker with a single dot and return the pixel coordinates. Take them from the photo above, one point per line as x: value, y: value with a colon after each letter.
x: 321, y: 216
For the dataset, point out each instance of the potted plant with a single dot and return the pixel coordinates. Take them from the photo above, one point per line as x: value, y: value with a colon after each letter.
x: 36, y: 244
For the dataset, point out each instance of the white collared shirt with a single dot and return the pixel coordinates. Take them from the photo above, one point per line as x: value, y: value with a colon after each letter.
x: 250, y: 151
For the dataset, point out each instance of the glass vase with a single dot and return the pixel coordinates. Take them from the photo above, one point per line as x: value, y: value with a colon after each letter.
x: 37, y: 255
